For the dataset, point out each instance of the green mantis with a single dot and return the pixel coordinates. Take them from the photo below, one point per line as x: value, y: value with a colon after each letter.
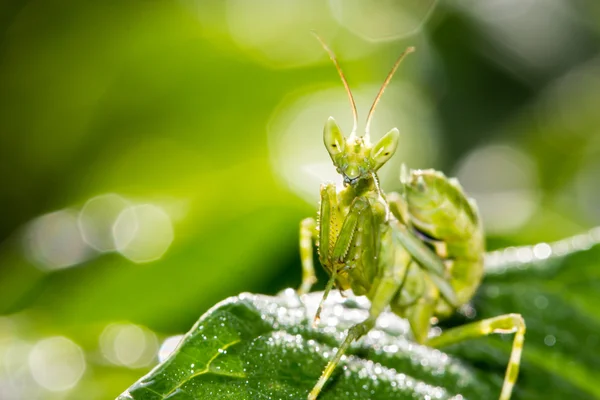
x: 419, y: 251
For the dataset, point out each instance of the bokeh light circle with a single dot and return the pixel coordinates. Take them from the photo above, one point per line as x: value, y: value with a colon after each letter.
x: 503, y: 181
x: 129, y: 345
x: 277, y: 33
x: 56, y: 363
x: 54, y: 241
x: 96, y: 220
x: 379, y: 20
x: 143, y: 233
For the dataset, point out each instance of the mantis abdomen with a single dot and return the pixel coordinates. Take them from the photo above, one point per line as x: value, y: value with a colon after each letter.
x: 438, y: 209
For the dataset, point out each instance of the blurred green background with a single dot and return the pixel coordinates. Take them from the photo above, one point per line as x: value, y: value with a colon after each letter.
x: 157, y: 156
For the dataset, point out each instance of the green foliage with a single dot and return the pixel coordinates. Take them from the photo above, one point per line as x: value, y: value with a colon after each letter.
x: 214, y: 112
x: 255, y: 346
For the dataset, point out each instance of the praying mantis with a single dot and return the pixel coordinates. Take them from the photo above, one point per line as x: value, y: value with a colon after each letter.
x: 419, y: 251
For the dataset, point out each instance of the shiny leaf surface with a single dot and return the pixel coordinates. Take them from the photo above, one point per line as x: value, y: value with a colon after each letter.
x: 255, y: 346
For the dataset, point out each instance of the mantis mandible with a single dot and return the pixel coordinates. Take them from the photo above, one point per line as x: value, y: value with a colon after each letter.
x: 419, y: 251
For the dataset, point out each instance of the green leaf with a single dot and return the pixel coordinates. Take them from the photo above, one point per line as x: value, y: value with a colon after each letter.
x: 255, y: 346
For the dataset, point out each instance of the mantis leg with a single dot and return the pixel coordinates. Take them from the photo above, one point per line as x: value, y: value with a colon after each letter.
x: 509, y: 323
x: 427, y: 259
x: 383, y: 294
x: 423, y: 254
x: 307, y: 232
x: 419, y: 314
x: 328, y: 204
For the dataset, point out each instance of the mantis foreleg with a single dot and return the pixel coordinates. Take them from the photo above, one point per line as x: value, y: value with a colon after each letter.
x: 360, y: 219
x: 340, y: 255
x: 385, y: 291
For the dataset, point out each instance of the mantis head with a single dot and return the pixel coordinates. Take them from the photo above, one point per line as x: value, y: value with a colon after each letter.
x: 354, y: 157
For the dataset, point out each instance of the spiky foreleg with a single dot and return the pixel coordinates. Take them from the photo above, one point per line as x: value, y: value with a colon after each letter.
x: 382, y: 292
x: 334, y: 258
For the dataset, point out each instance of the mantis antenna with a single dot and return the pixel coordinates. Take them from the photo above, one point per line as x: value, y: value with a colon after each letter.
x: 339, y: 70
x: 385, y: 83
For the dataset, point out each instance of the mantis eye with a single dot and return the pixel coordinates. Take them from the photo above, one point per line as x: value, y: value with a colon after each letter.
x: 385, y: 148
x: 333, y: 138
